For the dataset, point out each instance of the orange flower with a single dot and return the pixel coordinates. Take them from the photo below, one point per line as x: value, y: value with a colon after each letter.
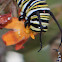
x: 19, y: 35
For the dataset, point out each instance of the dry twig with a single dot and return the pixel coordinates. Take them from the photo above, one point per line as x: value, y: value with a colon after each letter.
x: 4, y: 5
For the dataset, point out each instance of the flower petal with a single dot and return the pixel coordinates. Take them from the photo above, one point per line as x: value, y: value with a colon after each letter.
x: 20, y: 44
x: 15, y: 24
x: 9, y: 38
x: 5, y: 18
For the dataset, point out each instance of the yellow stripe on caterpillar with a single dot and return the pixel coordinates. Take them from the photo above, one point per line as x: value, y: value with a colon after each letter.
x: 33, y: 28
x: 32, y: 17
x: 44, y: 18
x: 17, y: 1
x: 40, y: 6
x: 21, y: 5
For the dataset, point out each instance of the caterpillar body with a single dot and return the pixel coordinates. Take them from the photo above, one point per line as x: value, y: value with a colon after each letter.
x: 28, y: 11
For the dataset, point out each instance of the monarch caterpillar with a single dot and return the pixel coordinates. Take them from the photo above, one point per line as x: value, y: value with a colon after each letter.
x: 36, y: 13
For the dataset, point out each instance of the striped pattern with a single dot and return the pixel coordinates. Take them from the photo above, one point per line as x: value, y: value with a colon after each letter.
x: 28, y: 11
x: 59, y: 57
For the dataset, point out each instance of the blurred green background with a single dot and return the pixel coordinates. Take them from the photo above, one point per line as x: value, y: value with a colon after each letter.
x: 32, y: 46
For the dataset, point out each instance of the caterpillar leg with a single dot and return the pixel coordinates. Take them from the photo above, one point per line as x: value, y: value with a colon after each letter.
x: 20, y: 17
x: 38, y: 14
x: 57, y: 24
x: 26, y: 23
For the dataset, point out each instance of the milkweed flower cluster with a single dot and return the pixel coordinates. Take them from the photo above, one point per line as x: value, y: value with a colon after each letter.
x: 18, y: 34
